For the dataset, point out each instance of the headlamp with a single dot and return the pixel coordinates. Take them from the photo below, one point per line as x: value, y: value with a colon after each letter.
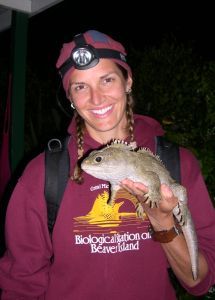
x: 85, y: 56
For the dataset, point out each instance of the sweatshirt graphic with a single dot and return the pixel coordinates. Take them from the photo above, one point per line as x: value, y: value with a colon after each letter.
x: 109, y: 226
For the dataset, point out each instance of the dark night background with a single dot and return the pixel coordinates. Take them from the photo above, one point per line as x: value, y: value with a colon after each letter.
x: 135, y: 24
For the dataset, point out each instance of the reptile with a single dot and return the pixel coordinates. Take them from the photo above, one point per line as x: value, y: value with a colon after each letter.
x: 119, y: 160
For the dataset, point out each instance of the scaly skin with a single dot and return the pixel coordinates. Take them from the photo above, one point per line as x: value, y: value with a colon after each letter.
x: 120, y: 160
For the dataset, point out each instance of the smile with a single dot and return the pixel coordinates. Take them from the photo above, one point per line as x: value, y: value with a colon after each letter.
x: 101, y: 111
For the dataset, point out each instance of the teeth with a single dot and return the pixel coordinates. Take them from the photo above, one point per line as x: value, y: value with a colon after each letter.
x: 101, y: 111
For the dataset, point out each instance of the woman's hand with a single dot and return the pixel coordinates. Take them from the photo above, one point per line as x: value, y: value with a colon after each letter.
x: 161, y: 217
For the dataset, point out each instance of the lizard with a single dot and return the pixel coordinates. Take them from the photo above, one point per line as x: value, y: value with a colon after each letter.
x: 119, y: 160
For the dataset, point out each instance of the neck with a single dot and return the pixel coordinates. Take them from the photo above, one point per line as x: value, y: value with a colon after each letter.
x: 104, y: 137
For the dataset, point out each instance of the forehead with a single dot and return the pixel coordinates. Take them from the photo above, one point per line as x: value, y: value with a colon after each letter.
x: 103, y: 68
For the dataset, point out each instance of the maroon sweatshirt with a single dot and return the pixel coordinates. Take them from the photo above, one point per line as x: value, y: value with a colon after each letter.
x: 100, y: 252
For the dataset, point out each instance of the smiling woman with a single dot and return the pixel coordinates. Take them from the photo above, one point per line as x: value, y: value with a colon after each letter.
x: 97, y: 81
x: 105, y: 243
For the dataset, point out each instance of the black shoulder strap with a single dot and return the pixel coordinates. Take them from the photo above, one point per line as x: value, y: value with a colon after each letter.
x: 56, y: 176
x: 169, y: 154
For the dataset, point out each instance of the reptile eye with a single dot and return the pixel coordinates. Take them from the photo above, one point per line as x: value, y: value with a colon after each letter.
x: 98, y: 159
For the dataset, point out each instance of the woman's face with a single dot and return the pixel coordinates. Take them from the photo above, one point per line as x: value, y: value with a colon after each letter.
x: 99, y: 96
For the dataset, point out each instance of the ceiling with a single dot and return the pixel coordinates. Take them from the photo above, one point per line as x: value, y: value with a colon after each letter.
x: 31, y: 7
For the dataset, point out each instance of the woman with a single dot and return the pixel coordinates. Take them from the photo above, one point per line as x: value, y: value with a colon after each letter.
x: 97, y: 250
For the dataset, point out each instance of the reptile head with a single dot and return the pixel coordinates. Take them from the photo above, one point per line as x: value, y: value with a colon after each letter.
x: 109, y: 163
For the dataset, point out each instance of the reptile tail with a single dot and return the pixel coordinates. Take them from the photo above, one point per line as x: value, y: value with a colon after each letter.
x: 191, y: 239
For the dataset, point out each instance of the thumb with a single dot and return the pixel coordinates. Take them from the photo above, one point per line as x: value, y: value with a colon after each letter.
x: 166, y: 191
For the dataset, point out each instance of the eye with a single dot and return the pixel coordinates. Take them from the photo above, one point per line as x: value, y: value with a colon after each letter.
x: 98, y: 159
x: 108, y: 80
x: 79, y: 87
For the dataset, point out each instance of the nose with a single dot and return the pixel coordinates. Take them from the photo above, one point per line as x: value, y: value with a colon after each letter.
x: 96, y: 96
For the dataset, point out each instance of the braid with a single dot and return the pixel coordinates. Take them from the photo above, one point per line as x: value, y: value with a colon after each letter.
x: 130, y: 115
x: 79, y: 131
x: 77, y: 175
x: 129, y: 106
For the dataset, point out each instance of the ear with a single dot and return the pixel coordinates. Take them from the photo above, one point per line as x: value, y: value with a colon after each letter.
x: 129, y: 83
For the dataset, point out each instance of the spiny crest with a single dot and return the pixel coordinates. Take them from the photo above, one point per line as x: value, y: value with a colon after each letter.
x: 148, y: 151
x: 122, y: 144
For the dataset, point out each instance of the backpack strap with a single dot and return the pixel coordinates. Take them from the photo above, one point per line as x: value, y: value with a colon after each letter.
x: 57, y: 167
x: 170, y: 156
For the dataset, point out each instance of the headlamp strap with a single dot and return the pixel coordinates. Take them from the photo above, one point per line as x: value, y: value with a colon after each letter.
x: 95, y: 52
x: 79, y: 40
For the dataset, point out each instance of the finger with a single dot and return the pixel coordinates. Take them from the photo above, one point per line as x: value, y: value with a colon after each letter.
x: 132, y: 190
x: 136, y: 191
x: 125, y: 187
x: 140, y: 186
x: 137, y: 186
x: 166, y: 192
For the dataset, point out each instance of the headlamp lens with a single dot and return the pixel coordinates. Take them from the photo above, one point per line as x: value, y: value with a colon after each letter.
x: 82, y: 56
